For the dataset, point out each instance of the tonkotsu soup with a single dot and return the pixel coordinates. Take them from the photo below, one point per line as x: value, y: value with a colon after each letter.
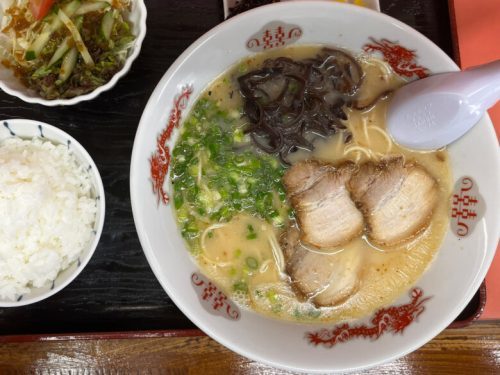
x: 292, y: 197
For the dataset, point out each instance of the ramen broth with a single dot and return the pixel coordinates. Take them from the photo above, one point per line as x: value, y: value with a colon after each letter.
x: 240, y: 251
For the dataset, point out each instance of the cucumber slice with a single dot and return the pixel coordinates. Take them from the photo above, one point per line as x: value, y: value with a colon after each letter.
x: 67, y: 66
x: 80, y: 45
x: 66, y: 44
x: 61, y: 50
x: 40, y: 42
x: 107, y: 25
x: 69, y: 9
x: 42, y: 39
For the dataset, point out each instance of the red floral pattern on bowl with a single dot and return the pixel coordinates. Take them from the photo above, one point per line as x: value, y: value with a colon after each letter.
x: 275, y: 34
x: 213, y: 299
x: 467, y: 207
x: 389, y: 319
x: 160, y: 159
x: 401, y: 59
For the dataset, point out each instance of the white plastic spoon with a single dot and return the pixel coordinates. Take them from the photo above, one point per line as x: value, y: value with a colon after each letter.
x: 435, y: 111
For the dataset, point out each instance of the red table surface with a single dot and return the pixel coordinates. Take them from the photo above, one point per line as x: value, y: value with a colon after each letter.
x: 476, y: 31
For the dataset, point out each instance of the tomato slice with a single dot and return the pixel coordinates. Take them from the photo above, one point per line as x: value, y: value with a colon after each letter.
x: 40, y: 8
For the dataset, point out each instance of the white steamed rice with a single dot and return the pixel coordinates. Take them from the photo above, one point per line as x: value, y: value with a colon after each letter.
x: 47, y: 213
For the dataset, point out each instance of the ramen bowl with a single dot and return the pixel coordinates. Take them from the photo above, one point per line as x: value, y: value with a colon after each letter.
x: 391, y: 331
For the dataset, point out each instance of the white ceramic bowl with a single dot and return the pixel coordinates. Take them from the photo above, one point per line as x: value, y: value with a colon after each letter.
x: 13, y: 86
x: 29, y: 129
x: 451, y: 280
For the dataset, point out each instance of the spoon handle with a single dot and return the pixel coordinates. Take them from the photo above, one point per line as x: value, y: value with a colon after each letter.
x: 435, y: 111
x: 482, y: 84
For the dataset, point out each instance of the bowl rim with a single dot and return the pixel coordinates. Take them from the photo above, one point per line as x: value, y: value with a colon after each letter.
x: 107, y: 86
x: 101, y: 211
x: 135, y: 199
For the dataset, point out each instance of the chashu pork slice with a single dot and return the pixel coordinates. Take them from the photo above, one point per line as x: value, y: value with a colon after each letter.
x: 325, y: 212
x: 397, y: 199
x: 325, y: 279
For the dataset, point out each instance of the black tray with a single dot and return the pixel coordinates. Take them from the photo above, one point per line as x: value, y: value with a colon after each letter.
x: 117, y: 290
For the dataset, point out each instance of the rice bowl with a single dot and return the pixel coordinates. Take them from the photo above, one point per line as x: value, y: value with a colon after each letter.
x: 50, y: 183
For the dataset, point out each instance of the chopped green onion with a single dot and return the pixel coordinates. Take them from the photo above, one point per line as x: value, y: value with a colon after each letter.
x: 252, y: 236
x: 230, y: 182
x: 251, y: 233
x: 252, y: 263
x: 272, y: 296
x: 240, y: 286
x: 314, y: 313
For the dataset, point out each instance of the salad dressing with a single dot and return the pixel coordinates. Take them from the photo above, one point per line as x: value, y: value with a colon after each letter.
x: 18, y: 20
